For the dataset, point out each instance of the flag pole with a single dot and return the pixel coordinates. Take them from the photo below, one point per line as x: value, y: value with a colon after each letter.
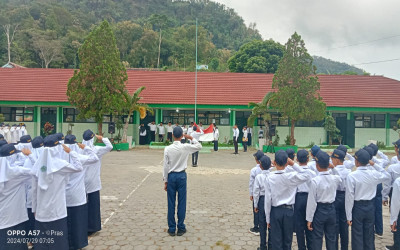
x: 195, y: 83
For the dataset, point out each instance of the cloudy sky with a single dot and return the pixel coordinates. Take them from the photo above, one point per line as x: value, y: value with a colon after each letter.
x: 328, y: 27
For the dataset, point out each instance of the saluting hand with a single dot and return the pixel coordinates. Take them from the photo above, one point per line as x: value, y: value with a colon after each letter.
x: 394, y: 227
x: 26, y: 151
x: 99, y: 137
x: 309, y: 226
x: 66, y: 149
x: 371, y: 163
x: 290, y: 162
x: 81, y: 146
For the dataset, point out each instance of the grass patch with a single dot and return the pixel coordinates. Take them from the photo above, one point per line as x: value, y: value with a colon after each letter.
x: 221, y: 244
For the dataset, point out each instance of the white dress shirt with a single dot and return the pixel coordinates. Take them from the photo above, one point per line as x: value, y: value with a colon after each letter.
x: 259, y: 186
x: 170, y: 129
x: 153, y: 127
x: 350, y: 163
x: 302, y: 188
x: 161, y: 130
x: 341, y: 171
x: 395, y: 202
x: 176, y: 156
x: 322, y: 189
x: 383, y: 160
x: 394, y: 160
x: 235, y: 133
x: 196, y: 135
x: 253, y: 173
x: 313, y: 166
x: 244, y: 133
x: 394, y: 172
x: 361, y: 186
x: 281, y: 188
x: 216, y: 134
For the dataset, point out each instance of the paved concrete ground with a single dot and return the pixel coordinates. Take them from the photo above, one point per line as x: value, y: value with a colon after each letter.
x: 134, y: 204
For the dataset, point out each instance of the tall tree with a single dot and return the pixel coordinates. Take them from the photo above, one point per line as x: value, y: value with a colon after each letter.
x: 98, y: 87
x: 159, y: 22
x: 9, y: 31
x: 331, y: 129
x: 297, y: 86
x: 261, y: 109
x: 48, y: 48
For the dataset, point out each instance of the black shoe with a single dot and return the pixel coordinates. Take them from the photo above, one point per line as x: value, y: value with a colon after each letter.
x: 390, y: 248
x: 255, y: 231
x: 181, y: 232
x: 379, y: 235
x: 171, y: 233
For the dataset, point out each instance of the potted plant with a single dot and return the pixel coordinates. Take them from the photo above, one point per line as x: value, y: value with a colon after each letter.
x: 47, y: 129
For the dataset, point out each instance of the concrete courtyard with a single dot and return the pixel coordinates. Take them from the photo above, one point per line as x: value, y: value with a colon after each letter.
x: 134, y: 203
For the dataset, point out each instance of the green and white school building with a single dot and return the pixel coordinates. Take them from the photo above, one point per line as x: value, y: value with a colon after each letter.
x: 365, y: 107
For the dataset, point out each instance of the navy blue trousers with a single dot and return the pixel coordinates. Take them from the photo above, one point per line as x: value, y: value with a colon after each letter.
x: 256, y: 218
x: 9, y: 242
x: 215, y: 145
x: 324, y: 223
x: 302, y: 232
x: 263, y: 225
x: 281, y: 234
x: 77, y: 226
x: 177, y: 183
x: 342, y: 228
x: 30, y: 224
x: 195, y: 158
x: 60, y: 241
x: 378, y: 210
x: 396, y: 235
x: 362, y: 230
x: 94, y: 216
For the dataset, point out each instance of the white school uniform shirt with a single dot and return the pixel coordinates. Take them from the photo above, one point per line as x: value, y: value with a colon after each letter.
x: 196, y: 135
x: 313, y: 166
x: 49, y: 189
x: 395, y: 202
x: 170, y: 129
x: 161, y: 130
x: 350, y: 163
x: 281, y: 187
x: 235, y: 134
x: 7, y: 135
x: 18, y: 134
x: 216, y: 134
x: 12, y: 194
x: 244, y: 133
x: 92, y: 175
x: 322, y: 189
x: 342, y: 171
x: 2, y: 131
x: 259, y: 186
x: 302, y: 188
x: 153, y: 127
x: 190, y: 130
x: 176, y: 156
x: 185, y: 130
x: 394, y: 160
x: 253, y: 173
x: 394, y: 172
x: 361, y: 185
x: 22, y: 131
x: 383, y: 160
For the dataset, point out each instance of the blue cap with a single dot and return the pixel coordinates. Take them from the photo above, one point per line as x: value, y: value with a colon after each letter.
x: 70, y: 139
x: 302, y: 156
x: 362, y: 156
x: 281, y: 157
x: 370, y: 151
x: 51, y: 141
x: 194, y: 128
x: 338, y: 154
x: 25, y: 139
x: 1, y: 137
x: 343, y: 148
x: 37, y: 142
x: 374, y: 147
x: 322, y: 158
x: 314, y: 150
x: 59, y: 136
x: 265, y: 162
x: 290, y: 153
x: 258, y: 155
x: 397, y: 143
x: 3, y: 142
x: 177, y: 132
x: 7, y: 150
x: 88, y: 134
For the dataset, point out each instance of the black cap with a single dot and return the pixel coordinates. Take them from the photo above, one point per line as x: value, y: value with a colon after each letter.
x: 7, y: 150
x: 281, y: 157
x: 70, y: 139
x: 1, y: 137
x: 290, y: 153
x: 258, y: 155
x: 374, y: 147
x: 88, y: 134
x: 370, y: 151
x: 314, y: 150
x: 362, y: 156
x: 59, y: 136
x: 177, y: 132
x: 322, y: 158
x: 3, y: 142
x: 37, y: 142
x: 343, y: 148
x: 397, y: 143
x: 51, y: 141
x: 25, y: 139
x: 338, y: 154
x: 302, y: 155
x: 265, y: 162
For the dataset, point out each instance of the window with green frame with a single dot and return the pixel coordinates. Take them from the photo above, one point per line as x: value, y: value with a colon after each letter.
x: 70, y: 115
x: 276, y: 119
x: 393, y: 120
x: 17, y: 114
x: 217, y: 117
x: 181, y: 117
x: 369, y: 120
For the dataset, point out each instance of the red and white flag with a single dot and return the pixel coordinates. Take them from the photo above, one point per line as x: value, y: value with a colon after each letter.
x: 208, y: 133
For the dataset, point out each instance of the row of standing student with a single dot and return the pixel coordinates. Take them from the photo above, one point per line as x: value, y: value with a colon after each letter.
x: 323, y: 197
x: 12, y: 133
x: 51, y: 185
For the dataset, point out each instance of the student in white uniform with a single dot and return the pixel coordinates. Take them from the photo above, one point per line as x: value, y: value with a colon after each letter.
x: 360, y: 203
x: 13, y: 133
x: 185, y: 132
x: 1, y: 130
x: 235, y: 138
x: 196, y: 135
x: 350, y: 162
x: 175, y: 178
x: 153, y: 130
x: 93, y: 181
x: 321, y: 214
x: 244, y: 138
x: 51, y: 175
x: 7, y: 134
x: 395, y: 159
x: 395, y: 216
x: 22, y: 131
x: 170, y: 128
x: 311, y: 164
x: 259, y: 200
x: 394, y: 171
x: 215, y: 136
x: 25, y: 142
x: 161, y: 132
x: 253, y: 173
x: 77, y: 209
x: 13, y: 214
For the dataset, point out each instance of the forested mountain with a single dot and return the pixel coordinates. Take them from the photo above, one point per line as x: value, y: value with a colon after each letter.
x: 330, y: 67
x: 150, y: 33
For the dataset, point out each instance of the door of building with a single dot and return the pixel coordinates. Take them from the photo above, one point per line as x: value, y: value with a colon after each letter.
x: 241, y: 121
x: 48, y: 115
x: 347, y: 130
x: 148, y: 119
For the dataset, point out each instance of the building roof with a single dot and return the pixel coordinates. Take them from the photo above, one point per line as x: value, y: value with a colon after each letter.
x: 50, y: 85
x: 11, y: 65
